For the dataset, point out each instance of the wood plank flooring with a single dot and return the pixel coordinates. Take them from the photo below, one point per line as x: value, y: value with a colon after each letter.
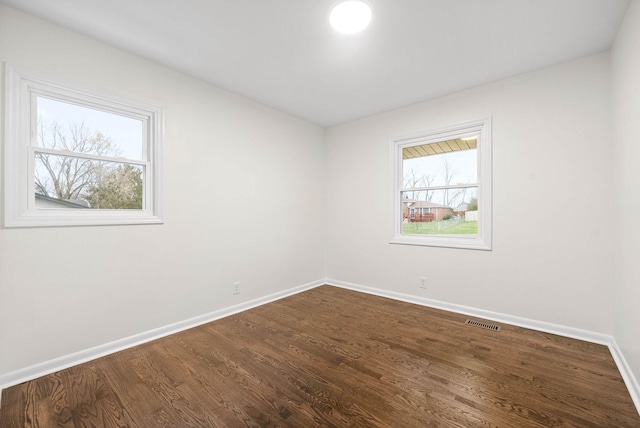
x: 330, y: 357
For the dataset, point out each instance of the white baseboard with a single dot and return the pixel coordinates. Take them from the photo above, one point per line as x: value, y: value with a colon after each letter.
x: 626, y: 372
x: 70, y: 360
x: 588, y: 336
x: 560, y: 330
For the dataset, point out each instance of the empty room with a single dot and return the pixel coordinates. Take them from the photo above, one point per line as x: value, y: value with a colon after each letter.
x: 298, y: 213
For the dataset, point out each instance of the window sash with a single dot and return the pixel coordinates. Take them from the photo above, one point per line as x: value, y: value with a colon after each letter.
x: 82, y: 100
x: 145, y: 166
x: 425, y: 189
x: 88, y: 156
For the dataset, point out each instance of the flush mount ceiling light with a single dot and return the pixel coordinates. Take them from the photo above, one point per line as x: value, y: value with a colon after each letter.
x: 350, y: 16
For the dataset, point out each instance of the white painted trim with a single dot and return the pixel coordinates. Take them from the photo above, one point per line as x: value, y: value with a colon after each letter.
x: 481, y: 241
x: 70, y: 360
x: 626, y: 372
x: 575, y: 333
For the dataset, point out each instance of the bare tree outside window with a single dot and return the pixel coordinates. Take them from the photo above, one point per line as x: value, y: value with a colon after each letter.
x: 439, y: 182
x: 414, y: 179
x: 71, y: 161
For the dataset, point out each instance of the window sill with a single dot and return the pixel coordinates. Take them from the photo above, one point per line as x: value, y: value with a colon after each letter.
x: 44, y: 219
x: 450, y: 241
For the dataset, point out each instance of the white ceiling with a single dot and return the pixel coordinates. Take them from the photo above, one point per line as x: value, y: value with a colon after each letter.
x: 283, y: 53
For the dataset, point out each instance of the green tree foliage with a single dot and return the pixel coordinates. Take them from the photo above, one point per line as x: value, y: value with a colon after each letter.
x: 473, y: 205
x: 116, y: 188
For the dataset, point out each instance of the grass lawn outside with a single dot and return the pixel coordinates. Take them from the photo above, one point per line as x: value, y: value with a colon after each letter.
x: 446, y: 227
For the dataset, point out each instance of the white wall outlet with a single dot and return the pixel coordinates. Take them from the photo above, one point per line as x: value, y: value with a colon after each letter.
x: 236, y: 288
x: 423, y: 282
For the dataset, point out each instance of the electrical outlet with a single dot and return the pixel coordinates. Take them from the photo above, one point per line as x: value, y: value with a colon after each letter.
x: 236, y: 288
x: 423, y: 282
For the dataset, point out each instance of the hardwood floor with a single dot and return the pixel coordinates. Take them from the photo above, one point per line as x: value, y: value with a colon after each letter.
x: 336, y: 358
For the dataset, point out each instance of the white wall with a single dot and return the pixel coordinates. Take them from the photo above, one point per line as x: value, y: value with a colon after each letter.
x: 243, y: 198
x: 626, y: 120
x: 551, y: 164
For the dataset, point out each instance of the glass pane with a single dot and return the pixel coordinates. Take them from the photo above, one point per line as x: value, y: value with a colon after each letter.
x: 77, y: 183
x: 69, y: 127
x: 438, y: 169
x: 450, y: 211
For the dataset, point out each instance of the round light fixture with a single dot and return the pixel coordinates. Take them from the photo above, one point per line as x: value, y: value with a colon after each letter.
x: 350, y: 16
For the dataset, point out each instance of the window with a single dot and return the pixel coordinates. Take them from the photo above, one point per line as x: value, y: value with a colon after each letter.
x: 73, y: 157
x: 442, y: 187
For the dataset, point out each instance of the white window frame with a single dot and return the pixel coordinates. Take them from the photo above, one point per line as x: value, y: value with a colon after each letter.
x: 20, y: 144
x: 482, y: 241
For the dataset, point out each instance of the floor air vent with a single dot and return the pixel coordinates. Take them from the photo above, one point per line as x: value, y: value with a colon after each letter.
x: 483, y: 325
